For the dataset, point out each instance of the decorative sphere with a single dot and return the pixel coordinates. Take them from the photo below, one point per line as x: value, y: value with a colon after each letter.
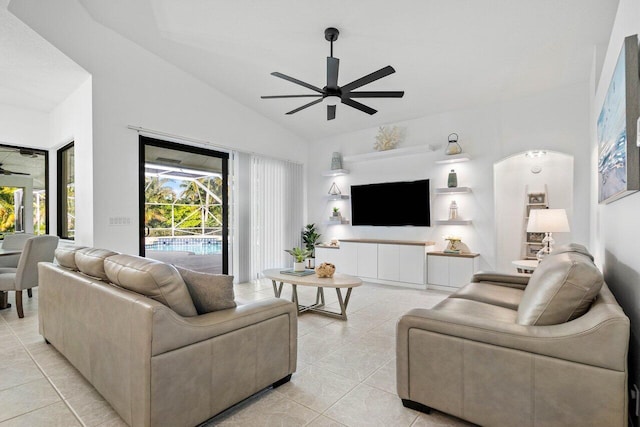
x: 326, y: 269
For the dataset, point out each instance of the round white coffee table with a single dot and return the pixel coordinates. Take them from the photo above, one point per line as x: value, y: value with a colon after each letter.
x: 338, y: 281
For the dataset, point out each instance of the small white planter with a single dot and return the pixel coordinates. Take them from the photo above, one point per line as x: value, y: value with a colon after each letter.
x: 298, y: 266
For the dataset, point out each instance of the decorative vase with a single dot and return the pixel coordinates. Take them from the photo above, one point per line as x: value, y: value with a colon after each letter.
x: 452, y: 182
x: 453, y: 147
x: 453, y: 210
x: 336, y: 161
x: 311, y: 263
x: 298, y: 266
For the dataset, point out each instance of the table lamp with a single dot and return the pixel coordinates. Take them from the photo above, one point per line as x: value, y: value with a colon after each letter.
x: 547, y: 221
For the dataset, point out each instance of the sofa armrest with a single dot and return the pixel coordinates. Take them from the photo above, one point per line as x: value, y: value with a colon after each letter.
x: 172, y: 331
x: 502, y: 279
x: 599, y: 338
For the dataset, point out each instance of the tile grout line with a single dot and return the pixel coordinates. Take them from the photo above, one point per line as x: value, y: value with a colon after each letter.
x: 44, y: 374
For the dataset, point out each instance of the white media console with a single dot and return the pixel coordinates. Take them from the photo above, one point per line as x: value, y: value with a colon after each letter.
x: 399, y: 263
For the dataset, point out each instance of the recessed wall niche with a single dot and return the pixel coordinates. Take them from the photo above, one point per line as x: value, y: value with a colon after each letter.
x: 534, y: 171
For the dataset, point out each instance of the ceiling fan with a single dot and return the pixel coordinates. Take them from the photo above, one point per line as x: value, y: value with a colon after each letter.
x: 332, y: 93
x: 8, y: 172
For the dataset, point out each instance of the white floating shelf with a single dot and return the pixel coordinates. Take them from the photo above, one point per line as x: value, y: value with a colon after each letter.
x: 395, y: 152
x: 337, y: 197
x: 342, y: 222
x: 453, y: 222
x: 335, y: 172
x: 453, y: 190
x: 456, y: 158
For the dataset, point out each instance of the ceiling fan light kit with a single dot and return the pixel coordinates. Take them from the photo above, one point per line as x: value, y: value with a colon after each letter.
x: 4, y: 171
x: 332, y: 93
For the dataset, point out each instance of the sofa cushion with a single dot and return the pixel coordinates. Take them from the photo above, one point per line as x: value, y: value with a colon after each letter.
x: 66, y: 256
x: 561, y: 288
x: 209, y: 292
x: 153, y: 279
x: 502, y: 296
x: 90, y: 261
x: 474, y: 309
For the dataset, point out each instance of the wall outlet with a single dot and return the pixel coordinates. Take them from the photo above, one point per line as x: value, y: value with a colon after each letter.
x: 119, y: 220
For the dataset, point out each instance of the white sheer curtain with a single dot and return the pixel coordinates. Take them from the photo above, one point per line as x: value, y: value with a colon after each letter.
x: 276, y: 212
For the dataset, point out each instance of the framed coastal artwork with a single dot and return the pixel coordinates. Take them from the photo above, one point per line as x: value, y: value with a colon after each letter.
x: 618, y: 154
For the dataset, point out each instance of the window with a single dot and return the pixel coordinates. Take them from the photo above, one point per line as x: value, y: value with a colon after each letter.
x: 23, y: 190
x: 66, y: 193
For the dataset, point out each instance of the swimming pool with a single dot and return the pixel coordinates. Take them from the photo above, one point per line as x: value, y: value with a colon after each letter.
x: 199, y: 246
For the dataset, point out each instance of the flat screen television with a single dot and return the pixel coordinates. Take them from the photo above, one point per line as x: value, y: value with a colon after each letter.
x: 403, y: 203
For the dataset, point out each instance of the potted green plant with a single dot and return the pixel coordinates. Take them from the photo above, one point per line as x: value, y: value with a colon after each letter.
x: 299, y: 255
x: 310, y: 237
x: 336, y: 214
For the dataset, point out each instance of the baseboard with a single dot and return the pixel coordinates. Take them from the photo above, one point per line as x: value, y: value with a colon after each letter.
x: 392, y: 283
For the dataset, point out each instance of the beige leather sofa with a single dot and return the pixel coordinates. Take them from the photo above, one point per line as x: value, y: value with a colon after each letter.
x: 509, y: 350
x: 154, y: 366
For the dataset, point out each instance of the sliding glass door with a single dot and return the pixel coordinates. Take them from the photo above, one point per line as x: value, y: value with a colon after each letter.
x: 184, y: 205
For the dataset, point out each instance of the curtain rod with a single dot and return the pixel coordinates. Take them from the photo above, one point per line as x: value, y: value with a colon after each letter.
x: 203, y: 143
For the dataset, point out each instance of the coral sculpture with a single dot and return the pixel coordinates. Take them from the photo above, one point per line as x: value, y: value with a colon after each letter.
x: 325, y: 269
x: 388, y: 138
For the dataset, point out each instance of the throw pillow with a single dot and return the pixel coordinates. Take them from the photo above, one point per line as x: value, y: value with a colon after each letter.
x: 209, y: 292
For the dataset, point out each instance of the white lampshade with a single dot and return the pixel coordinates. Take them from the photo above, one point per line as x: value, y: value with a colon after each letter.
x: 548, y: 221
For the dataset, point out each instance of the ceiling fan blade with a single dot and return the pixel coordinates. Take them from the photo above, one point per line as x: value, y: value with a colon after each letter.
x: 383, y: 72
x: 305, y: 106
x: 331, y: 112
x: 376, y: 94
x: 290, y: 96
x: 296, y: 81
x: 358, y: 106
x: 333, y: 64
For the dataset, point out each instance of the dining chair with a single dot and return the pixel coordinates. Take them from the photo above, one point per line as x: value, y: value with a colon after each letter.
x: 25, y: 276
x: 13, y: 241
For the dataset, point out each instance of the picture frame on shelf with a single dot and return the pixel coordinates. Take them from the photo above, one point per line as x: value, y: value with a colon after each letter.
x: 535, y: 237
x: 537, y: 198
x: 532, y: 207
x: 618, y: 154
x: 532, y: 250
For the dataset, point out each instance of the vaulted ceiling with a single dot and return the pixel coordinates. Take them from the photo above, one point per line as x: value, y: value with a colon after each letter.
x: 448, y: 55
x: 33, y: 74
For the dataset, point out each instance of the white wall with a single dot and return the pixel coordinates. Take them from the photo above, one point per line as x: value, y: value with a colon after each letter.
x: 131, y: 86
x: 71, y: 121
x: 556, y: 121
x: 23, y: 127
x: 616, y: 233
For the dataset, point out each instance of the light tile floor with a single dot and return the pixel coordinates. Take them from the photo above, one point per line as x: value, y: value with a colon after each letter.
x: 345, y: 376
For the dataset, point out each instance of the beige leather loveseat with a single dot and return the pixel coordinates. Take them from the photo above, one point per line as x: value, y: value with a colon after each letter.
x: 509, y: 350
x: 157, y: 367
